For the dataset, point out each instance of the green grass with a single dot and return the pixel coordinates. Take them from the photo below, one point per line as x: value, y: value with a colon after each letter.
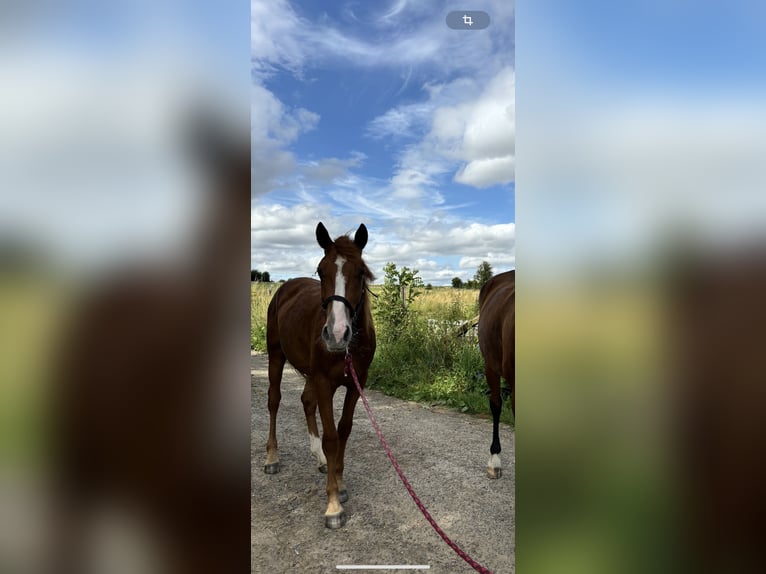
x: 260, y: 296
x: 419, y: 362
x: 31, y: 309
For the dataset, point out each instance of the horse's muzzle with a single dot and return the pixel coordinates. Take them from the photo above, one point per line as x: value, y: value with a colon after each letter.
x: 334, y: 345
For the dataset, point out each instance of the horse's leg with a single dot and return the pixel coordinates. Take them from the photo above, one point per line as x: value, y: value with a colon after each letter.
x: 513, y: 399
x: 344, y: 430
x: 494, y: 467
x: 334, y: 516
x: 509, y: 365
x: 309, y: 400
x: 509, y: 375
x: 276, y: 365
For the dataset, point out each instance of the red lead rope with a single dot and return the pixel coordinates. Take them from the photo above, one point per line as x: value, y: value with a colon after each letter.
x: 475, y: 565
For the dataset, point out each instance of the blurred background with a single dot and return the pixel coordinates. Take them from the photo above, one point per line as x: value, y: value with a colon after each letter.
x: 641, y: 236
x: 124, y: 234
x: 640, y: 249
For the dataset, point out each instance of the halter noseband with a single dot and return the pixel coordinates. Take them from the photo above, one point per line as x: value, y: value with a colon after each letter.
x: 353, y: 310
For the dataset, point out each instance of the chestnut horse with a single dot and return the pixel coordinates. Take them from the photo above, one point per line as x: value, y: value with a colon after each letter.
x: 497, y: 333
x: 313, y: 325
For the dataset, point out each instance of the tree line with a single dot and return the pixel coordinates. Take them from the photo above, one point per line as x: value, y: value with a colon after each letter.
x: 259, y: 276
x: 408, y: 278
x: 483, y: 274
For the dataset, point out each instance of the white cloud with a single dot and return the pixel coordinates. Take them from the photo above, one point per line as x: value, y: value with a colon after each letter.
x: 283, y: 38
x: 273, y: 127
x: 481, y: 132
x: 274, y: 41
x: 278, y: 226
x: 332, y: 168
x: 439, y: 245
x: 269, y: 119
x: 471, y: 133
x: 443, y: 248
x: 500, y: 262
x: 95, y: 166
x: 401, y: 121
x: 486, y: 172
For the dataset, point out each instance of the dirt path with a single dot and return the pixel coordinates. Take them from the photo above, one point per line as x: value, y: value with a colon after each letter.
x: 443, y: 455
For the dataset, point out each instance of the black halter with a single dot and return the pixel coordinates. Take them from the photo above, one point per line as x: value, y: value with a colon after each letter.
x: 354, y: 310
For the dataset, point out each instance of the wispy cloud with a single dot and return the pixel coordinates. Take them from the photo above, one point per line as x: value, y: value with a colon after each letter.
x: 401, y: 159
x: 329, y: 169
x: 405, y: 121
x: 283, y: 38
x: 273, y: 127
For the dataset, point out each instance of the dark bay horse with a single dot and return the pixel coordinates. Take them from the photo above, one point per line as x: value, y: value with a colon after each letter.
x: 497, y: 333
x: 313, y: 324
x: 148, y: 428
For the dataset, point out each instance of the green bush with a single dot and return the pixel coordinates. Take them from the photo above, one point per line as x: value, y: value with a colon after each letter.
x: 422, y: 361
x: 415, y: 359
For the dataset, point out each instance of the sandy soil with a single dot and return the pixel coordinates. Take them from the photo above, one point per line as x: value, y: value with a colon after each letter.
x: 442, y: 453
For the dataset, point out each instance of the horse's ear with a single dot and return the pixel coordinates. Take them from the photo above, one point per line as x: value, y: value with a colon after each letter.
x: 323, y: 238
x: 360, y: 237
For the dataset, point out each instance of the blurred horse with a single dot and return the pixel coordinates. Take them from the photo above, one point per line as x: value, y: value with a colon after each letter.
x: 149, y: 394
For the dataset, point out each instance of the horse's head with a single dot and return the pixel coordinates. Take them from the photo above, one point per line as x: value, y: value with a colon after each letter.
x: 344, y: 278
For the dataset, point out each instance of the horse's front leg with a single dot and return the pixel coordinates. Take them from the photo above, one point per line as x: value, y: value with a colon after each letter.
x: 344, y: 430
x: 334, y: 516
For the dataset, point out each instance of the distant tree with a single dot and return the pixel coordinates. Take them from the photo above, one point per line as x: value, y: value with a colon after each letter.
x: 429, y: 287
x: 483, y: 274
x: 255, y: 276
x: 265, y: 277
x: 457, y: 282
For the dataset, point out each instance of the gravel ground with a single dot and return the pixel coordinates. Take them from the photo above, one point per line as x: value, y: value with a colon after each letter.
x: 442, y: 453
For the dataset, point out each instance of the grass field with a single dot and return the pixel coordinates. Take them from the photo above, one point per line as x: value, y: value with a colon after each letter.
x: 31, y: 309
x: 425, y: 361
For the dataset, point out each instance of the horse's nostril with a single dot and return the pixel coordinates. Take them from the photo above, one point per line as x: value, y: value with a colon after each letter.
x: 347, y: 334
x: 325, y: 333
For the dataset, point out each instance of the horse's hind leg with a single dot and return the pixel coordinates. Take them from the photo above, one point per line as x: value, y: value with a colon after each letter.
x: 276, y: 366
x: 494, y: 466
x: 309, y: 400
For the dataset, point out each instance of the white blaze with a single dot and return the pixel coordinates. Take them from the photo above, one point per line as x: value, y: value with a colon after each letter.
x: 337, y: 308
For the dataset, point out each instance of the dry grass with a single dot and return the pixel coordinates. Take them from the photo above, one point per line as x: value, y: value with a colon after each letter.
x: 261, y: 294
x: 440, y: 303
x: 444, y: 303
x: 423, y: 364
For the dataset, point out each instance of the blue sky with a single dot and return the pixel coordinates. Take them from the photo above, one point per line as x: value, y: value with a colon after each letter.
x: 379, y: 113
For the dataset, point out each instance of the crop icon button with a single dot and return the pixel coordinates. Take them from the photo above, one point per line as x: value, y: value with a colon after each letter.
x: 468, y: 20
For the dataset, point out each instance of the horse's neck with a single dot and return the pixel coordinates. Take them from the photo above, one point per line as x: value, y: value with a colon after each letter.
x: 364, y: 325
